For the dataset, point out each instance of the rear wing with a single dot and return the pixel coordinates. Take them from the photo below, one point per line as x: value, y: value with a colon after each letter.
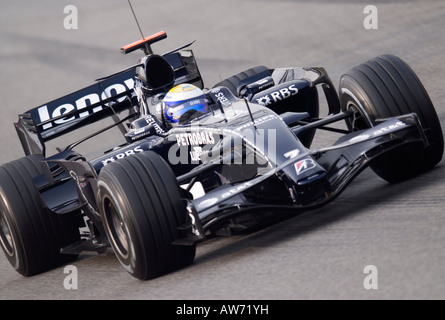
x: 106, y: 97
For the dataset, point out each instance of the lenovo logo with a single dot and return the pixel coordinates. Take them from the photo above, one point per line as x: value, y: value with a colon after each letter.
x: 51, y: 111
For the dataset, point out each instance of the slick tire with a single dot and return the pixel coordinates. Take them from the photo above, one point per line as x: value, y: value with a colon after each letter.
x: 141, y: 207
x: 385, y: 87
x: 31, y: 237
x: 233, y: 82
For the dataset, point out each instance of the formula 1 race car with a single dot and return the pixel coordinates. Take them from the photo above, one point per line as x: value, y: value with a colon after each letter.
x: 178, y: 179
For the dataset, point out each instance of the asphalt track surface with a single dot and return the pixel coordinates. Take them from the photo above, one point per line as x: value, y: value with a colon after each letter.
x: 322, y: 254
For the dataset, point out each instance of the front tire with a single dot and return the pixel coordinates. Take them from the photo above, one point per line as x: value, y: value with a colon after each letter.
x: 386, y: 87
x: 141, y: 206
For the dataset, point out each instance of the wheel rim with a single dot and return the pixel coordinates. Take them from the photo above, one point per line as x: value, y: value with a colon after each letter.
x: 6, y: 239
x: 358, y: 120
x: 117, y: 230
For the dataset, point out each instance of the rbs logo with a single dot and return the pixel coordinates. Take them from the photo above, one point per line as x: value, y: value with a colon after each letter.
x: 279, y: 95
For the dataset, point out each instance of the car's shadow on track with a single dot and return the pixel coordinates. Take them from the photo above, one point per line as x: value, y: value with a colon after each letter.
x: 368, y: 190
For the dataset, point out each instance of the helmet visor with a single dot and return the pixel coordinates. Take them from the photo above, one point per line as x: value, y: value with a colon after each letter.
x: 174, y: 110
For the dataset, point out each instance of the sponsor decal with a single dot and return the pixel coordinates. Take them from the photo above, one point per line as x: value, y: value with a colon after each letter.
x: 304, y: 165
x: 196, y: 153
x: 238, y: 189
x: 359, y: 138
x: 378, y: 132
x: 258, y: 122
x: 278, y: 95
x: 222, y: 99
x: 152, y: 121
x: 208, y: 202
x: 48, y: 112
x: 292, y: 154
x: 182, y: 87
x: 264, y: 83
x: 222, y: 96
x: 389, y: 128
x: 195, y: 138
x: 118, y: 156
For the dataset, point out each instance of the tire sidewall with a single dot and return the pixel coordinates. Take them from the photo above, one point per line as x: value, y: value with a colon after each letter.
x: 14, y: 254
x: 129, y: 261
x: 353, y: 96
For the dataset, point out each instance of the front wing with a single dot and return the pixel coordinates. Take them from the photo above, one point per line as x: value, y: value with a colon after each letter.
x: 342, y: 162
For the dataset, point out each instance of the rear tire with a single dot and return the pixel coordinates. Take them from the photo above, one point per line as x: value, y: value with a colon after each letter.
x: 31, y: 237
x: 141, y: 207
x: 386, y: 87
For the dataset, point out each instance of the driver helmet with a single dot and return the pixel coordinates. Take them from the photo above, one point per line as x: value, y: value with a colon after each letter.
x: 184, y: 99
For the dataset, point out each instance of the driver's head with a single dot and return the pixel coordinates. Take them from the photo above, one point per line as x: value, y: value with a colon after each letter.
x: 186, y: 101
